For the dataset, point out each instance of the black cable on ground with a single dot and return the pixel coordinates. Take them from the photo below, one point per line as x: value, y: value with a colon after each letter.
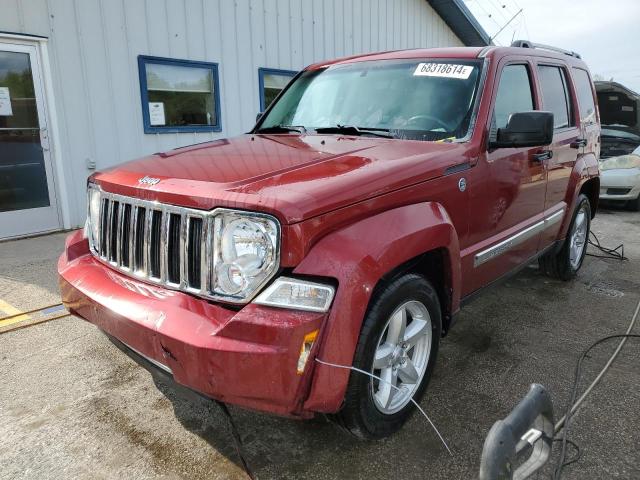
x: 574, y: 391
x: 578, y: 454
x: 615, y: 253
x: 563, y: 423
x: 237, y: 441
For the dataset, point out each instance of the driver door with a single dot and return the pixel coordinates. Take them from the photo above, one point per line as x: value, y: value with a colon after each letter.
x: 508, y: 201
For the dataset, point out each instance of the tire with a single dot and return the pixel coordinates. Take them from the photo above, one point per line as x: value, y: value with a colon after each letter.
x: 363, y: 413
x: 634, y: 205
x: 565, y: 264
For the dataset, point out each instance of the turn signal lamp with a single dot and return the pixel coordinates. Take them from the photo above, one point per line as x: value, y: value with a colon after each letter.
x: 305, y: 350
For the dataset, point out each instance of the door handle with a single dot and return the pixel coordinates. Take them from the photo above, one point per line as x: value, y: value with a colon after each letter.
x: 581, y: 142
x: 540, y: 157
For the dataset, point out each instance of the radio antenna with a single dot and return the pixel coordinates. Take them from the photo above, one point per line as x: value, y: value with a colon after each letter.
x: 505, y: 25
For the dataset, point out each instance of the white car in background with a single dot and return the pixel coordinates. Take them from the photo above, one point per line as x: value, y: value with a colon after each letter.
x: 619, y: 109
x: 620, y: 179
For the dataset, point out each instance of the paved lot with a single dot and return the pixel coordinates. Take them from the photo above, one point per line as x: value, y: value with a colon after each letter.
x: 73, y: 406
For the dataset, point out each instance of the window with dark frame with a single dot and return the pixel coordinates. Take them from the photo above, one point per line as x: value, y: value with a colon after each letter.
x: 555, y: 95
x: 272, y: 81
x: 179, y: 95
x: 585, y: 96
x: 514, y: 94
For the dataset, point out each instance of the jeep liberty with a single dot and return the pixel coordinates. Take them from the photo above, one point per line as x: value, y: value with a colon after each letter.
x: 373, y: 197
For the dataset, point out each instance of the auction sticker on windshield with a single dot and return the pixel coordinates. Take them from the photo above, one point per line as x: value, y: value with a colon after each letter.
x: 445, y: 70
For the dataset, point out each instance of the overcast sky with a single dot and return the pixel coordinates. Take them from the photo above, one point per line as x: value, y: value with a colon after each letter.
x: 605, y: 32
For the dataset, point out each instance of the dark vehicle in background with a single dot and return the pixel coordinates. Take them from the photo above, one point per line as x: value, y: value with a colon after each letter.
x: 619, y: 159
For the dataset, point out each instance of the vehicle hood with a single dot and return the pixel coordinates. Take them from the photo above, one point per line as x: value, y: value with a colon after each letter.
x: 630, y: 173
x: 294, y: 177
x: 618, y: 106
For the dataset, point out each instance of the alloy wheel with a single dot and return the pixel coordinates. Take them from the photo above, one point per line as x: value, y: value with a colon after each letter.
x: 401, y: 356
x: 578, y: 239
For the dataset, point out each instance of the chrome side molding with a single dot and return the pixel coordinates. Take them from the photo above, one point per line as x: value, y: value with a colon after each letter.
x: 516, y: 239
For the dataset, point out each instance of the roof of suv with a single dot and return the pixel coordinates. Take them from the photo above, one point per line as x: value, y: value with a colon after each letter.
x: 453, y: 52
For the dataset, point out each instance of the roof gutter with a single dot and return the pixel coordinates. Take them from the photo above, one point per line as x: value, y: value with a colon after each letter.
x: 460, y: 19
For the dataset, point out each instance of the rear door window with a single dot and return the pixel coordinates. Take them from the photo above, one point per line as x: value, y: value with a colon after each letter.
x: 514, y: 94
x: 585, y: 96
x: 555, y: 95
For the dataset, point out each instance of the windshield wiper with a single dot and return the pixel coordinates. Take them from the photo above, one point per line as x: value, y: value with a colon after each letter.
x: 353, y: 130
x: 282, y: 129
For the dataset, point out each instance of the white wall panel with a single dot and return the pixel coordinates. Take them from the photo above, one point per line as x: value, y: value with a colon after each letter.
x: 10, y: 19
x: 94, y: 45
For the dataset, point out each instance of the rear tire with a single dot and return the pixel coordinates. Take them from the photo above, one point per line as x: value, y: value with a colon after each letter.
x: 401, y: 333
x: 565, y: 264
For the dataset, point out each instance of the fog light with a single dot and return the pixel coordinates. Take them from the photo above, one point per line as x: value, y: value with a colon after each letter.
x: 297, y: 294
x: 305, y: 350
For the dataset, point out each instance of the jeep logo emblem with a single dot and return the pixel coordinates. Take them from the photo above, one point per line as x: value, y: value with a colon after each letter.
x: 148, y: 180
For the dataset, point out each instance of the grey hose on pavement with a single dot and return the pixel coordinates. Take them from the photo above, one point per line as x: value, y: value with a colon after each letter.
x: 346, y: 367
x: 578, y: 402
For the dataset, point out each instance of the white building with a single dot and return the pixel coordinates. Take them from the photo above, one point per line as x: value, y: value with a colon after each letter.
x: 88, y: 84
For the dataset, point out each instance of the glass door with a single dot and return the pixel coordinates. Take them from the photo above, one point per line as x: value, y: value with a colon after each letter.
x: 27, y: 194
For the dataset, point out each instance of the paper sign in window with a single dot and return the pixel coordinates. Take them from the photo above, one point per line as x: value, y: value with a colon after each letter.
x: 156, y: 113
x: 443, y: 70
x: 5, y: 102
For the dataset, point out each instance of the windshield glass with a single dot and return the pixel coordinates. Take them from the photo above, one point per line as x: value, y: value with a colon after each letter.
x: 412, y: 99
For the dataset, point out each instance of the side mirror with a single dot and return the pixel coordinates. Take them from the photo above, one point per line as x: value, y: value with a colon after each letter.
x: 525, y: 129
x: 259, y: 116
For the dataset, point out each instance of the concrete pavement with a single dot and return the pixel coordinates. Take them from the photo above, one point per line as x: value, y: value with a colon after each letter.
x: 73, y: 406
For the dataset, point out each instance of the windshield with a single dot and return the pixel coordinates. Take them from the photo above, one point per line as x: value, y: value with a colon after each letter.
x: 411, y: 99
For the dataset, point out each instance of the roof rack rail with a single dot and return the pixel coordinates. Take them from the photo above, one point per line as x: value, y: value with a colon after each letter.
x: 528, y: 44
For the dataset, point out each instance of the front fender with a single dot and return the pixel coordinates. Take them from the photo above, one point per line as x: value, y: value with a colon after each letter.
x: 358, y: 256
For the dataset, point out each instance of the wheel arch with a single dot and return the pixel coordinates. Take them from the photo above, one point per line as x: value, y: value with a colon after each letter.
x: 435, y: 266
x: 359, y: 257
x: 591, y: 189
x: 585, y: 179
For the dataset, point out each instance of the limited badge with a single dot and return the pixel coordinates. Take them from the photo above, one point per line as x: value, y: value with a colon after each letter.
x: 462, y: 184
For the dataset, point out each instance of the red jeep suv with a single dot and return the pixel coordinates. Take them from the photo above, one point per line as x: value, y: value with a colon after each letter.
x: 372, y: 198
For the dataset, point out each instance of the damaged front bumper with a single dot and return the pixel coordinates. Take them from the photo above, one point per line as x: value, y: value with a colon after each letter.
x: 248, y: 357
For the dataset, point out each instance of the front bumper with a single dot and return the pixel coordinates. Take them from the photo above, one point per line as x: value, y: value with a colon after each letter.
x: 620, y: 184
x: 247, y: 357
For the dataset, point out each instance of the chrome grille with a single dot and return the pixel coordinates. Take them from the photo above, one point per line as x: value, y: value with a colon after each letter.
x: 162, y: 244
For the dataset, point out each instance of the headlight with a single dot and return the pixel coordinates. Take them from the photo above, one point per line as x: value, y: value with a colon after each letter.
x: 621, y: 162
x: 93, y: 216
x: 246, y: 251
x: 222, y: 254
x: 297, y: 294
